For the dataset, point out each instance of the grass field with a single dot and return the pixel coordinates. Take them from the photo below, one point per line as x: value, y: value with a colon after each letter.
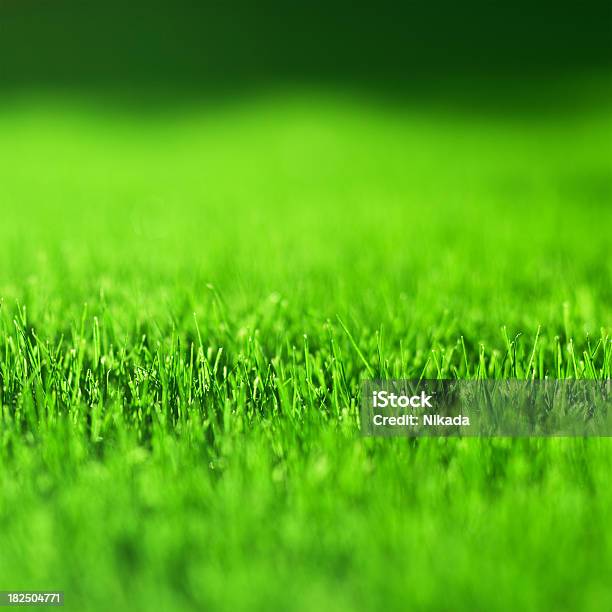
x: 181, y: 298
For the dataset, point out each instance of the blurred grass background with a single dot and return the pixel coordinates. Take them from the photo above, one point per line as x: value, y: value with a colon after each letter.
x: 295, y: 192
x: 190, y: 194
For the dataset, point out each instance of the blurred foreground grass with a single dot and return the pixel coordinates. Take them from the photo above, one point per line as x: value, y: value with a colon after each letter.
x: 179, y: 426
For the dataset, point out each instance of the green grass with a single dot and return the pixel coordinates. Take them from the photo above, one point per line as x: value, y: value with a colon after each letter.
x: 190, y: 300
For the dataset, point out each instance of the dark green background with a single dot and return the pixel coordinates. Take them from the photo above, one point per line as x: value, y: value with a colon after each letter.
x: 202, y: 45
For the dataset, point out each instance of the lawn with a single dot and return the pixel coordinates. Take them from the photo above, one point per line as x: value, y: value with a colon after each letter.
x: 190, y: 298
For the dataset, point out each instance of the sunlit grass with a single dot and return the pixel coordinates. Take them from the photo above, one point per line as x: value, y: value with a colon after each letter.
x: 189, y: 303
